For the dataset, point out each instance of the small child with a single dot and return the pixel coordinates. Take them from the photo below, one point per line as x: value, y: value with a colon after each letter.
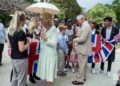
x: 62, y: 50
x: 73, y: 57
x: 73, y: 61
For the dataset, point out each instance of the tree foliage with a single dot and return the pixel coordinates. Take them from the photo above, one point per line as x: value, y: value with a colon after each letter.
x: 116, y: 8
x: 5, y: 17
x: 69, y: 8
x: 99, y: 11
x: 30, y: 1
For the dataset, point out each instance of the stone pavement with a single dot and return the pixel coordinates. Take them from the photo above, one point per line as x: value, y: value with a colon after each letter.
x: 92, y: 79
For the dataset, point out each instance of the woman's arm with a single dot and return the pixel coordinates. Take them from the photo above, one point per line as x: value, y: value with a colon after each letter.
x: 22, y: 46
x: 8, y: 44
x: 52, y: 41
x: 21, y: 41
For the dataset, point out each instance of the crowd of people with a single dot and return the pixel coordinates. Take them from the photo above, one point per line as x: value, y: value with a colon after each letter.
x: 45, y: 48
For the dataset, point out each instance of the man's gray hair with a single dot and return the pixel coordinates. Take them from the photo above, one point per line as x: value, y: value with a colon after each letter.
x: 81, y: 17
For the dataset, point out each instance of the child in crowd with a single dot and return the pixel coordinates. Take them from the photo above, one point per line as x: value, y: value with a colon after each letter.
x: 62, y: 49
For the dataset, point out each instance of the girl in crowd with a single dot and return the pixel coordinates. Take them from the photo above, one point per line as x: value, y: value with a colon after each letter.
x: 33, y: 51
x: 73, y: 56
x: 69, y: 34
x: 47, y: 65
x: 94, y: 31
x: 19, y: 45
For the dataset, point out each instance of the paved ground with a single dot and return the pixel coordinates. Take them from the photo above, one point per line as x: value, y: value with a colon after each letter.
x: 92, y: 79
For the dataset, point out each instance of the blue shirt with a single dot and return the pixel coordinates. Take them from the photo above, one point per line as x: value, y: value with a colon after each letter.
x: 2, y: 33
x: 62, y: 44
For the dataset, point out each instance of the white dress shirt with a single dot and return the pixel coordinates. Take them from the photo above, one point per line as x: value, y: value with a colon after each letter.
x: 108, y: 33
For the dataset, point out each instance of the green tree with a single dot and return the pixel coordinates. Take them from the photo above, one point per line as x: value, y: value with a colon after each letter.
x: 5, y: 17
x: 30, y: 1
x: 116, y: 8
x: 109, y: 6
x: 99, y: 11
x: 69, y: 8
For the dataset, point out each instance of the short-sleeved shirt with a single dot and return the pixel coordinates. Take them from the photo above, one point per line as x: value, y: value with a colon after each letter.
x: 17, y: 36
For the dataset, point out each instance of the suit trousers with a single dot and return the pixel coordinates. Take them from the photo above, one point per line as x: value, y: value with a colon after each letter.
x: 19, y: 72
x: 82, y: 61
x: 108, y: 67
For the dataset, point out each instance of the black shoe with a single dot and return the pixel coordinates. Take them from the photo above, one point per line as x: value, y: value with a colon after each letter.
x: 1, y: 64
x: 64, y: 73
x: 61, y: 74
x: 36, y: 77
x: 32, y: 79
x: 118, y: 83
x: 77, y: 83
x: 69, y: 67
x: 84, y: 79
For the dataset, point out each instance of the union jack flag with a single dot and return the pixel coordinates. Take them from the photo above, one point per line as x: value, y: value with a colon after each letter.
x: 100, y: 50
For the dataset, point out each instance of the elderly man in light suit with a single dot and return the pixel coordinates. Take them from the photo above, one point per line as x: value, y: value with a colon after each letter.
x: 83, y: 48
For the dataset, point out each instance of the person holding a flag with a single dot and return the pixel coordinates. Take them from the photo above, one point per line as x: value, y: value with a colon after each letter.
x: 95, y: 31
x: 108, y: 33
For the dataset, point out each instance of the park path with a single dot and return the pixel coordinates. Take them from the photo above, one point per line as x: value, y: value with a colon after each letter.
x: 92, y: 79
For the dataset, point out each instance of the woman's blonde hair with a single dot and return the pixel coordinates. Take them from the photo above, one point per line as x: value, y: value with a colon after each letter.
x: 32, y: 25
x: 48, y: 18
x: 14, y: 24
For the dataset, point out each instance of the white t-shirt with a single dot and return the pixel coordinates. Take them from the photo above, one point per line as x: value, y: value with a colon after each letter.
x: 93, y: 31
x: 66, y: 37
x: 69, y: 34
